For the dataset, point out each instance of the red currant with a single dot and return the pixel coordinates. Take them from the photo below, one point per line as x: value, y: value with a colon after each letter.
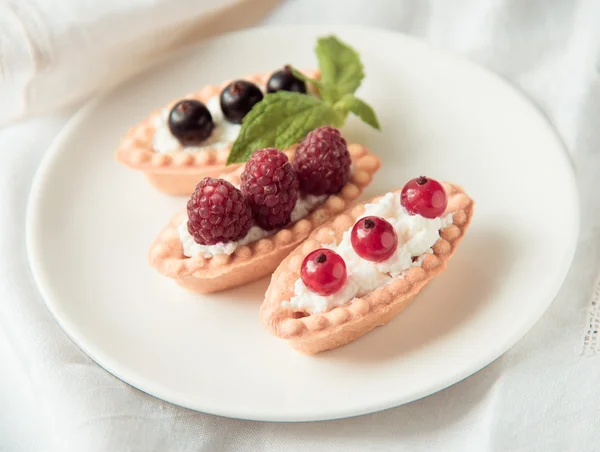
x: 323, y: 271
x: 425, y: 197
x: 374, y: 239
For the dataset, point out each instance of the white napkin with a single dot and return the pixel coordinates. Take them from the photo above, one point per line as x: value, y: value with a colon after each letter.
x: 55, y: 53
x: 541, y: 395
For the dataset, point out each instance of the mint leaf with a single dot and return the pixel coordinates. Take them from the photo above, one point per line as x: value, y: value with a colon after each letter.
x: 280, y: 120
x: 329, y: 93
x: 340, y: 65
x: 351, y: 103
x: 296, y: 73
x: 283, y: 118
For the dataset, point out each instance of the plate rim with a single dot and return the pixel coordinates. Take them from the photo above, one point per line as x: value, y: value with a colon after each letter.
x: 43, y: 286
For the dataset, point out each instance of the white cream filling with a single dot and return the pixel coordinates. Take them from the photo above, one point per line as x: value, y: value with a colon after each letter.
x: 223, y: 134
x: 191, y: 248
x: 416, y: 236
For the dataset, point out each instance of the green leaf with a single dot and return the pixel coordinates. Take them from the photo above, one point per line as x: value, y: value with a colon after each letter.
x: 340, y: 65
x: 329, y: 93
x: 280, y: 120
x: 283, y: 118
x: 351, y: 103
x: 296, y: 73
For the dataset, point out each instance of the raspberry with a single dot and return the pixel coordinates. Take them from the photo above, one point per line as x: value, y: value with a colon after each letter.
x: 217, y: 212
x: 271, y: 187
x: 322, y: 162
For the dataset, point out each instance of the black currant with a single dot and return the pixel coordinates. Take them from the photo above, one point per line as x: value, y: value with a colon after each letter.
x: 190, y: 122
x: 284, y: 80
x: 238, y: 98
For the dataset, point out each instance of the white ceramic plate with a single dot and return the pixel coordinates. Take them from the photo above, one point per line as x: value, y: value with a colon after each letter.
x: 90, y: 223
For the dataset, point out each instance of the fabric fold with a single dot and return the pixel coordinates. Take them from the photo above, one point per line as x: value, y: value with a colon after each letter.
x: 541, y: 395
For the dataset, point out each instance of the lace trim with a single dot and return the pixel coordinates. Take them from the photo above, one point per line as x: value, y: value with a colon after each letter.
x: 591, y: 337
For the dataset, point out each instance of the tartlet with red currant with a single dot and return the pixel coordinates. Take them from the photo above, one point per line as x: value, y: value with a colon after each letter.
x: 191, y: 137
x: 362, y: 268
x: 238, y: 228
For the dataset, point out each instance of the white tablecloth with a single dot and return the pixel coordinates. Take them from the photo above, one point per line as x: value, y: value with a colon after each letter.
x: 541, y: 395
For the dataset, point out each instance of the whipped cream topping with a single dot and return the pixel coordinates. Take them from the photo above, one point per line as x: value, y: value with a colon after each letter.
x: 223, y: 134
x: 303, y: 207
x: 416, y: 236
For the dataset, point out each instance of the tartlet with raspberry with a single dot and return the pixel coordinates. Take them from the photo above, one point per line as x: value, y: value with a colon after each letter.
x: 361, y: 269
x: 238, y: 228
x: 191, y: 137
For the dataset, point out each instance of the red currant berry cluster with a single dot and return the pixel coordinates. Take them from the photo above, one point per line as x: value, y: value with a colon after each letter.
x: 373, y: 238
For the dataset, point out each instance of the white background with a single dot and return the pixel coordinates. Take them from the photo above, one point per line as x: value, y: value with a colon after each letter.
x: 543, y: 394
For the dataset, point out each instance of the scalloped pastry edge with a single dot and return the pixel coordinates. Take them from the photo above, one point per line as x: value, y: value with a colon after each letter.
x: 329, y: 330
x: 257, y: 259
x: 177, y: 173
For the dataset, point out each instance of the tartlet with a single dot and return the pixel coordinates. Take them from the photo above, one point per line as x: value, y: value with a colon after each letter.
x: 317, y: 332
x: 257, y: 259
x: 177, y: 173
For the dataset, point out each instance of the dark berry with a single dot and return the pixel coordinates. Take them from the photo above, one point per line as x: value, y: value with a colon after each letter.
x: 271, y: 187
x: 374, y: 239
x: 190, y: 122
x: 217, y: 212
x: 323, y: 271
x: 425, y: 197
x: 238, y: 98
x: 322, y: 162
x: 284, y: 80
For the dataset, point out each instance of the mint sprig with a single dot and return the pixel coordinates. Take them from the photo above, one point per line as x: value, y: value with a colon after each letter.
x: 328, y: 92
x: 351, y: 103
x: 283, y: 118
x: 348, y: 103
x: 280, y: 120
x: 340, y: 65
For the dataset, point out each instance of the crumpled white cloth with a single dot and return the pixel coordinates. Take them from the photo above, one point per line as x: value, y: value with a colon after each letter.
x: 543, y: 394
x: 55, y: 53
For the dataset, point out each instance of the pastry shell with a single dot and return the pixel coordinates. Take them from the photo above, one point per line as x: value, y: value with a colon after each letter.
x: 257, y: 259
x: 331, y: 329
x: 177, y: 173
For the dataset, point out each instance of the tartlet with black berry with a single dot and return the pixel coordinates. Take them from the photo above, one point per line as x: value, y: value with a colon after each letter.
x: 211, y: 132
x: 191, y: 137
